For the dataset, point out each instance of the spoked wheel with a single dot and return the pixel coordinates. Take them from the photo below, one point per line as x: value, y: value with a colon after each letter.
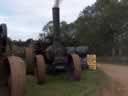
x: 74, y: 67
x: 17, y: 76
x: 30, y: 60
x: 40, y: 69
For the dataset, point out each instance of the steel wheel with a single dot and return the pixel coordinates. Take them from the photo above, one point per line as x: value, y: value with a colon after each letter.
x: 75, y: 67
x: 40, y: 70
x: 29, y: 60
x: 17, y: 76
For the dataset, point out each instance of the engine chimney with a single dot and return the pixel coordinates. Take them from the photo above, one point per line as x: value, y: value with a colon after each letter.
x: 56, y: 23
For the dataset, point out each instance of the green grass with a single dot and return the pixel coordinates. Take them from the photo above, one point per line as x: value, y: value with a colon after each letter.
x: 60, y: 86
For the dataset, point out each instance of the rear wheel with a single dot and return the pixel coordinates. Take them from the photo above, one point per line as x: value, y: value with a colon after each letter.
x: 17, y: 76
x: 40, y: 70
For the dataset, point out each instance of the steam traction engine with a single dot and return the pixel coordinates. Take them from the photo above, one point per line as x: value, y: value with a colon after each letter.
x: 53, y: 57
x: 12, y: 69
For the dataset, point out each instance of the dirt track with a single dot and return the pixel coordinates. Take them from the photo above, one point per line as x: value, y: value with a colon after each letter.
x: 118, y: 73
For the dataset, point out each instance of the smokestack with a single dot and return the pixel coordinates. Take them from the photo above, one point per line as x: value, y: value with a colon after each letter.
x: 56, y: 22
x: 57, y: 3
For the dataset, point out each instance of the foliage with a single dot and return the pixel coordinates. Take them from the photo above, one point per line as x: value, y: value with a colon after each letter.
x: 67, y: 32
x: 101, y: 26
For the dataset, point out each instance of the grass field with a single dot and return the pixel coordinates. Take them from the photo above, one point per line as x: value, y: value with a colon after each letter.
x: 61, y: 86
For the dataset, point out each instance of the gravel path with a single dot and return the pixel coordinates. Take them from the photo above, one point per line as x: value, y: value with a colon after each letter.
x: 118, y: 73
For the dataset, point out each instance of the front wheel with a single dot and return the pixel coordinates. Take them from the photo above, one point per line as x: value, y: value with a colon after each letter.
x: 40, y: 69
x: 74, y: 67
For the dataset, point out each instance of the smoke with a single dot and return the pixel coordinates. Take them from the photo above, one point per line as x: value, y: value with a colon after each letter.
x: 57, y: 3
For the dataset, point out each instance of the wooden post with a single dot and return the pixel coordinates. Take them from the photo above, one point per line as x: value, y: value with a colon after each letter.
x: 120, y: 51
x: 113, y: 52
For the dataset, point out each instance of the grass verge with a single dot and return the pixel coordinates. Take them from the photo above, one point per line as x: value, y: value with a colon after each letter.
x: 91, y: 84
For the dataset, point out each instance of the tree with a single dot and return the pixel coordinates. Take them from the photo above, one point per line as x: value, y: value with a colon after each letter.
x: 98, y: 24
x: 67, y: 32
x: 48, y: 27
x: 101, y: 26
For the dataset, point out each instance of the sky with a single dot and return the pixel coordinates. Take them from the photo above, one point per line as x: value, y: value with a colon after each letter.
x: 26, y: 18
